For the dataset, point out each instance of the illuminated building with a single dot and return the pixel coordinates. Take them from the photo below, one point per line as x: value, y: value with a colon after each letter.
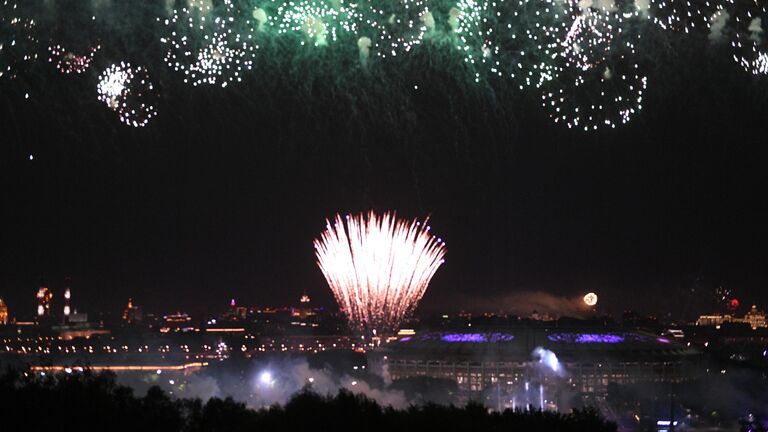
x: 44, y: 298
x: 235, y: 312
x: 132, y: 313
x: 713, y: 320
x: 304, y: 310
x: 755, y: 318
x: 177, y: 322
x: 3, y: 313
x: 502, y: 364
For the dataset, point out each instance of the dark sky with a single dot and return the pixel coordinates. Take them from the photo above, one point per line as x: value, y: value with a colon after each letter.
x: 223, y: 194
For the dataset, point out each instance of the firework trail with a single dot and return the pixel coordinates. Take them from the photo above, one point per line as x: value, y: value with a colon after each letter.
x: 378, y: 267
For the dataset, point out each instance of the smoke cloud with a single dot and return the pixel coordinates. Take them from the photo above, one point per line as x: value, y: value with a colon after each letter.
x: 525, y: 303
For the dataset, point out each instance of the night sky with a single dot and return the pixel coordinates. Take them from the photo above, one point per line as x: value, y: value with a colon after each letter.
x: 222, y: 195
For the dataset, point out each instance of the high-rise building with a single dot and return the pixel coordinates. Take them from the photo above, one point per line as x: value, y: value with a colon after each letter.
x: 67, y: 303
x: 44, y: 299
x: 3, y: 313
x: 305, y: 308
x: 132, y: 313
x: 236, y: 312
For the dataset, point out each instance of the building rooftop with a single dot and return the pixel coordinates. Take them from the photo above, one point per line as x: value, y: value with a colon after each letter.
x: 517, y: 344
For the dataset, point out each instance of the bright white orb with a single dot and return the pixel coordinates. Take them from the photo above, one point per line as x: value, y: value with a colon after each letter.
x: 265, y: 378
x: 590, y: 299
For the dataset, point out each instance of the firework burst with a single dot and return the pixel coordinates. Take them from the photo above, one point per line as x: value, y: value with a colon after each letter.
x: 604, y: 96
x: 378, y: 268
x: 399, y: 25
x: 204, y: 45
x: 321, y: 22
x: 588, y: 40
x: 68, y: 62
x: 128, y: 91
x: 515, y: 39
x: 749, y: 40
x: 17, y: 40
x: 683, y: 15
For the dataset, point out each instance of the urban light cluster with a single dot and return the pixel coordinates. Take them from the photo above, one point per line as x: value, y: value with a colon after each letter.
x: 749, y: 42
x: 378, y: 268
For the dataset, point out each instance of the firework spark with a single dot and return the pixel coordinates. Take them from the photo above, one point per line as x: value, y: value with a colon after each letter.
x: 683, y: 15
x: 589, y: 40
x: 378, y: 267
x: 401, y: 25
x: 748, y: 40
x: 68, y: 62
x: 204, y: 44
x: 516, y: 39
x: 320, y: 21
x: 600, y: 97
x: 129, y: 92
x: 17, y: 41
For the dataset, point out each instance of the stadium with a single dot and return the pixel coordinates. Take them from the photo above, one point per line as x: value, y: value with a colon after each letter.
x: 540, y: 367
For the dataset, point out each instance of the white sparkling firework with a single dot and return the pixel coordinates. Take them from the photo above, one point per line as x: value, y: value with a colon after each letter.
x: 600, y: 97
x: 591, y: 33
x: 749, y: 40
x: 128, y: 91
x: 204, y: 45
x: 397, y: 26
x: 515, y: 39
x: 319, y: 21
x: 68, y: 62
x: 588, y: 40
x: 17, y: 40
x: 683, y: 15
x: 378, y: 268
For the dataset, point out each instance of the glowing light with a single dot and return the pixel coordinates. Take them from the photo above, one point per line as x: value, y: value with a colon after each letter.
x: 516, y: 39
x: 378, y: 267
x: 590, y: 299
x: 266, y: 379
x: 588, y: 338
x: 548, y: 359
x: 318, y: 20
x: 68, y: 62
x: 130, y: 92
x: 749, y: 41
x: 397, y: 26
x: 588, y: 40
x: 599, y: 97
x: 205, y: 47
x: 683, y: 15
x: 18, y: 44
x: 477, y: 337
